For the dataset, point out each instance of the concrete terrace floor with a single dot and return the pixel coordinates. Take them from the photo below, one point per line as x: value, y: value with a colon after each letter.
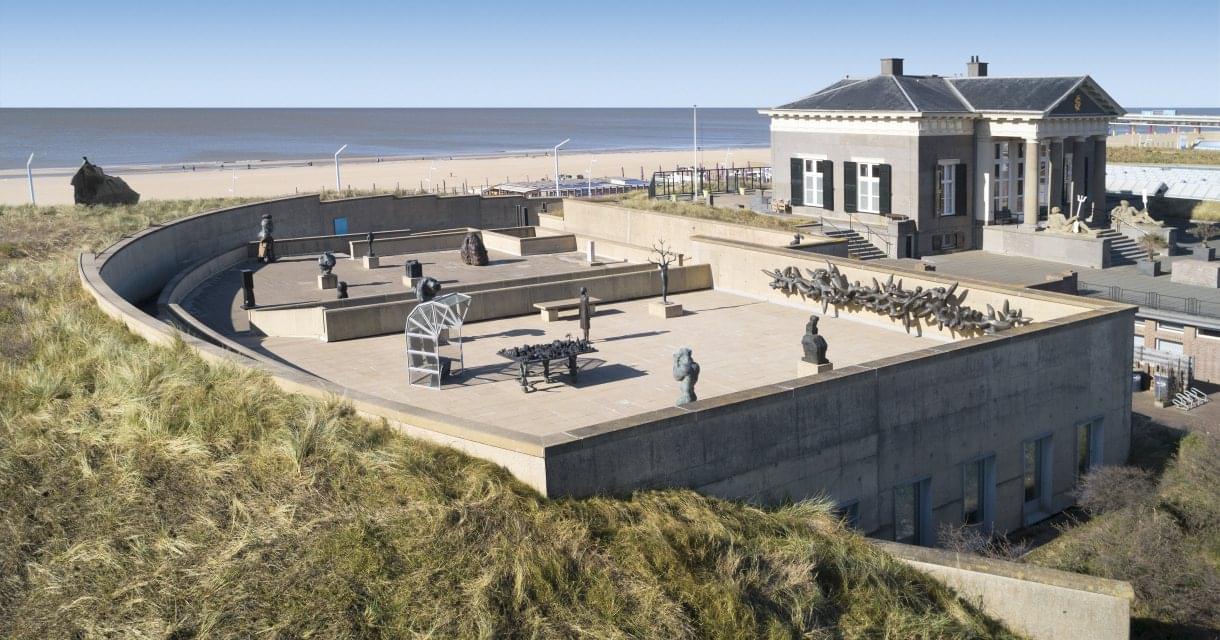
x: 739, y: 342
x: 294, y: 279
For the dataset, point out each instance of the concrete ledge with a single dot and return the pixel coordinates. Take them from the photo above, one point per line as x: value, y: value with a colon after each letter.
x: 1040, y: 603
x: 1082, y: 250
x: 528, y: 241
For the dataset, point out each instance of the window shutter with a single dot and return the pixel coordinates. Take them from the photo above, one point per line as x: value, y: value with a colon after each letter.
x: 827, y: 168
x: 938, y: 183
x: 885, y: 172
x: 849, y: 187
x: 797, y: 198
x: 959, y: 185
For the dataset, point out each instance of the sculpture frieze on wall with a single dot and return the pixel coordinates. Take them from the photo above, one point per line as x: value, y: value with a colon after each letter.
x: 938, y: 305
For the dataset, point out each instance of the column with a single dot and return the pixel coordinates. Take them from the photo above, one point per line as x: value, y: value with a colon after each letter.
x: 1030, y: 205
x: 1056, y: 177
x: 1097, y: 190
x: 1079, y: 188
x: 984, y: 153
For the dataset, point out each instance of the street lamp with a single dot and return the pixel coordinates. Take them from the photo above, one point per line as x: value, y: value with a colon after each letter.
x: 30, y: 177
x: 338, y: 182
x: 556, y: 153
x: 589, y: 175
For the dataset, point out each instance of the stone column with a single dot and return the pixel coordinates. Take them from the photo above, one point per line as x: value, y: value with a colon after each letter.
x: 1079, y: 147
x: 1097, y: 190
x: 1056, y: 177
x: 984, y: 155
x: 1029, y: 207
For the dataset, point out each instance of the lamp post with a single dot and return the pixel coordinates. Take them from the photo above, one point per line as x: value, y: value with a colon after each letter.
x: 338, y: 182
x: 694, y: 188
x: 589, y: 175
x: 29, y: 177
x: 556, y: 153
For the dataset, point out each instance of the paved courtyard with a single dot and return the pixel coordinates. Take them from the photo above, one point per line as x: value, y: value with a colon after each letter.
x: 739, y: 342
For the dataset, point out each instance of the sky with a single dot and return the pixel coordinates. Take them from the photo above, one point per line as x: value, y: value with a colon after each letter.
x: 220, y: 53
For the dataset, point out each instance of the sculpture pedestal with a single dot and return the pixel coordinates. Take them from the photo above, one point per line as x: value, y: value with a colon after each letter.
x: 328, y: 281
x: 664, y: 309
x: 372, y: 262
x: 807, y: 368
x: 410, y: 283
x: 1197, y: 272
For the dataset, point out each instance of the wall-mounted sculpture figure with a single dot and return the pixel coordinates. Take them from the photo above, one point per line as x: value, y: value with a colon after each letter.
x: 686, y: 372
x: 939, y: 305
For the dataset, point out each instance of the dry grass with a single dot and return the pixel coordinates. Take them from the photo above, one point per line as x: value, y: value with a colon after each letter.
x: 640, y: 200
x: 147, y: 493
x: 1152, y: 155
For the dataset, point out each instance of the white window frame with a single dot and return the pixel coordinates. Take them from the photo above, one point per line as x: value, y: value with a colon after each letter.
x: 1170, y: 327
x: 815, y: 182
x: 947, y: 181
x: 1093, y: 440
x: 1001, y: 197
x: 868, y: 200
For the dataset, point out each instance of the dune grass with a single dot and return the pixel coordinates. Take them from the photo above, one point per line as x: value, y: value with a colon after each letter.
x: 1154, y: 155
x: 147, y: 493
x: 640, y: 200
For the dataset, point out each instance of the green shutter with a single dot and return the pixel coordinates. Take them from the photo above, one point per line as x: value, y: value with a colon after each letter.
x: 849, y: 187
x: 797, y: 198
x: 828, y: 183
x: 938, y: 183
x: 959, y: 185
x: 885, y: 173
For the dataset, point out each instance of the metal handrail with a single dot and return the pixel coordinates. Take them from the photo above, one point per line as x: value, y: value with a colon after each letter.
x: 1152, y: 299
x: 850, y: 227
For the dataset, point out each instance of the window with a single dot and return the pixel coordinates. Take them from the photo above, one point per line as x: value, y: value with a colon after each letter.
x: 913, y: 513
x: 1044, y: 178
x: 1000, y: 200
x: 1138, y: 340
x: 868, y: 188
x: 946, y: 194
x: 1139, y: 325
x: 1019, y: 204
x: 1169, y: 346
x: 849, y: 513
x: 978, y: 491
x: 1171, y: 327
x: 1036, y: 457
x: 1088, y: 446
x: 946, y: 241
x: 340, y: 225
x: 1207, y: 333
x: 1067, y: 178
x: 814, y: 184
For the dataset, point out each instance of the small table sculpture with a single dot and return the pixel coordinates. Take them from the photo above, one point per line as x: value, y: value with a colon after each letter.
x: 543, y: 354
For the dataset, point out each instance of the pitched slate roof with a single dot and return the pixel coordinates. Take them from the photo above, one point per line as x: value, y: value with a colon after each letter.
x: 947, y: 95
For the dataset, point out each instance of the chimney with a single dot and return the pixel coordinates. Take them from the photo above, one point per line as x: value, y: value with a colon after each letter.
x: 975, y: 68
x: 891, y: 66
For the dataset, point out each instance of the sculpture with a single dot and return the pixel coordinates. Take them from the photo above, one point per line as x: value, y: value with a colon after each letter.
x: 686, y: 371
x: 939, y: 304
x: 584, y: 312
x: 92, y: 186
x: 369, y: 240
x: 326, y: 262
x: 665, y: 257
x: 1124, y: 212
x: 473, y: 251
x: 266, y: 242
x: 1056, y: 222
x: 427, y: 289
x: 814, y: 344
x: 341, y: 290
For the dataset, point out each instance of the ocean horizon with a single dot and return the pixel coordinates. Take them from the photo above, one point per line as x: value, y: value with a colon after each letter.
x: 59, y: 137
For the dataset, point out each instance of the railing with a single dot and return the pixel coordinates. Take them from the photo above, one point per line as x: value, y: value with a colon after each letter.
x: 852, y: 223
x: 1118, y: 226
x: 1185, y: 365
x: 1151, y: 299
x: 721, y: 180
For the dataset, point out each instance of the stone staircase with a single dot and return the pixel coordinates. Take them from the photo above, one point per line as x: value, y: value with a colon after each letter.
x: 857, y: 246
x: 1123, y: 250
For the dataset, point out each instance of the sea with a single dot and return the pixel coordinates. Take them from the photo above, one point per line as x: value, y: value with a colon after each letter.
x: 170, y: 137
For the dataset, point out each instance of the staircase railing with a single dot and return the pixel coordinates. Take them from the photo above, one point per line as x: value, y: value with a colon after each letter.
x: 852, y: 223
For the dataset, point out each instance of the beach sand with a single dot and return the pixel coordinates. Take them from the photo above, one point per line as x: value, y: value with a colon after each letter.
x: 51, y: 186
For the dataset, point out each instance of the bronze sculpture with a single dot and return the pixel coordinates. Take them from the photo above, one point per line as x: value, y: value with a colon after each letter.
x: 473, y: 251
x: 665, y: 257
x: 686, y: 371
x: 266, y: 241
x: 92, y: 186
x: 326, y: 262
x: 427, y: 289
x: 585, y: 312
x: 814, y: 344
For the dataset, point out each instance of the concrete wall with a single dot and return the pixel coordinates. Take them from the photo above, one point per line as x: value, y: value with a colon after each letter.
x: 900, y: 152
x: 138, y: 271
x: 318, y: 244
x: 1082, y: 250
x: 528, y: 241
x: 858, y: 432
x: 1039, y: 603
x: 450, y: 239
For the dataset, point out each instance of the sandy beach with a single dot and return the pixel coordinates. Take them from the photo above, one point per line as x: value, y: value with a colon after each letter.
x: 52, y: 186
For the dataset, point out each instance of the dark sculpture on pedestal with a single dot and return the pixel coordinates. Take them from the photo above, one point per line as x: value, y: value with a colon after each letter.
x: 266, y: 241
x: 413, y: 269
x: 326, y: 262
x: 585, y: 312
x: 473, y: 251
x: 814, y: 344
x: 686, y: 371
x: 92, y: 186
x: 341, y: 290
x: 427, y: 289
x: 247, y: 288
x: 939, y: 305
x: 369, y: 240
x: 665, y: 257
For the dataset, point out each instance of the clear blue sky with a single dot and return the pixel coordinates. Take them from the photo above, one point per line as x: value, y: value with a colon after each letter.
x: 497, y: 54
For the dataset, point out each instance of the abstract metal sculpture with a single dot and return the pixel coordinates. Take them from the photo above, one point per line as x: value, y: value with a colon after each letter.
x: 814, y: 344
x: 939, y: 305
x: 544, y: 353
x: 326, y: 262
x: 686, y: 371
x: 665, y: 257
x: 427, y: 289
x: 92, y: 186
x: 473, y: 251
x: 434, y: 339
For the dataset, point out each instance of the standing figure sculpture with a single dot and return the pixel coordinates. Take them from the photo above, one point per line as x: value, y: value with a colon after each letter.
x: 814, y: 344
x: 584, y: 312
x: 473, y: 251
x: 665, y: 257
x: 266, y: 241
x: 686, y: 371
x: 369, y: 240
x: 326, y: 262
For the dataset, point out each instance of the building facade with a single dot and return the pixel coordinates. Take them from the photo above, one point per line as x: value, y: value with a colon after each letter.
x: 949, y: 154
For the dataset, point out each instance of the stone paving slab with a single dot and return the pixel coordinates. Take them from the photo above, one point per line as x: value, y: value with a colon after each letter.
x: 739, y: 342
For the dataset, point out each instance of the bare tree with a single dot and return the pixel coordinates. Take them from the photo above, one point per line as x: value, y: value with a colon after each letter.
x: 665, y: 257
x: 1205, y: 231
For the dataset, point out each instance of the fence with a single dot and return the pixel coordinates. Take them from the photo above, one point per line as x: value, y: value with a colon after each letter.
x: 725, y: 180
x: 1152, y: 299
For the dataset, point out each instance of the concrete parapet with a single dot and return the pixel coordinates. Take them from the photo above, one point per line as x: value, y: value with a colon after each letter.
x: 1082, y: 250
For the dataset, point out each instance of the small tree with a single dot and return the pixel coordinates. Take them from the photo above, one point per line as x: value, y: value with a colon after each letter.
x: 665, y: 257
x: 1205, y: 231
x: 1150, y: 244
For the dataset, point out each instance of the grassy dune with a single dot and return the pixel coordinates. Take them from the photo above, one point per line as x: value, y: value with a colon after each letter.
x: 147, y: 493
x: 640, y: 200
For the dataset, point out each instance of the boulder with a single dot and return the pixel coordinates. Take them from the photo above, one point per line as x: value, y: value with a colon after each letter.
x: 92, y: 186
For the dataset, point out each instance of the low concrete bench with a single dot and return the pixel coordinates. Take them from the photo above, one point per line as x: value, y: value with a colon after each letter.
x: 550, y: 310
